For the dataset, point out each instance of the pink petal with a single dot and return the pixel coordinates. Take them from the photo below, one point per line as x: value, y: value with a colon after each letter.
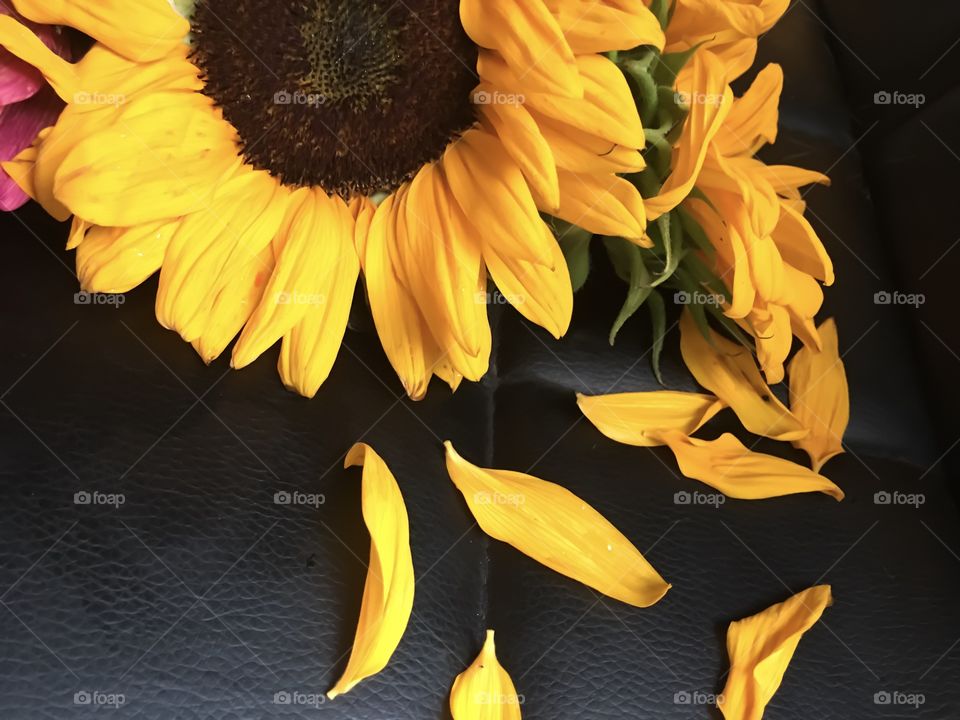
x: 19, y: 125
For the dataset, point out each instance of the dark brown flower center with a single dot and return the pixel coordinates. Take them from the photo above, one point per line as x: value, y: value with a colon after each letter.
x: 351, y: 95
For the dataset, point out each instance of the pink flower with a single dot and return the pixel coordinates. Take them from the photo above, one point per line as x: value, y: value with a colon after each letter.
x: 27, y: 104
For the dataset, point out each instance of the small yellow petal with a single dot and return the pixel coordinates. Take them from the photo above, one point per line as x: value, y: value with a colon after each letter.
x: 760, y: 648
x: 728, y: 370
x: 727, y: 465
x: 633, y: 418
x: 556, y: 528
x: 819, y: 397
x: 484, y: 691
x: 388, y: 593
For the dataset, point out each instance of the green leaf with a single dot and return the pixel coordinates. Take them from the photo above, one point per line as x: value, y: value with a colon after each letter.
x: 658, y: 318
x: 627, y: 259
x: 575, y: 244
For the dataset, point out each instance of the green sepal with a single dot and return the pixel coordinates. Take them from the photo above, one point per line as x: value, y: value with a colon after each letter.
x: 658, y: 318
x: 692, y: 229
x: 661, y: 9
x: 627, y: 260
x: 667, y: 236
x: 669, y: 65
x: 575, y: 244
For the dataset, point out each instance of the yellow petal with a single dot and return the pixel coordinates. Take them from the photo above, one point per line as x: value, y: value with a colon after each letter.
x: 711, y: 100
x: 819, y: 397
x: 595, y: 27
x: 633, y: 418
x: 388, y: 593
x: 541, y: 293
x: 115, y: 260
x: 760, y: 648
x: 21, y: 168
x: 752, y: 121
x: 785, y: 179
x: 604, y: 205
x: 799, y: 245
x: 484, y: 691
x: 529, y: 39
x: 310, y: 348
x: 308, y: 249
x: 142, y: 30
x: 212, y: 245
x: 579, y: 151
x: 556, y: 528
x: 160, y: 159
x: 772, y: 331
x: 23, y: 43
x: 727, y: 465
x: 728, y: 370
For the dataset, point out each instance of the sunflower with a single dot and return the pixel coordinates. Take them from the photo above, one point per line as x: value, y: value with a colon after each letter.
x: 262, y: 156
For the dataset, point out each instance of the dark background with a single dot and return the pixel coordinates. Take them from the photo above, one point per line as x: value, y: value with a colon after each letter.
x: 199, y: 597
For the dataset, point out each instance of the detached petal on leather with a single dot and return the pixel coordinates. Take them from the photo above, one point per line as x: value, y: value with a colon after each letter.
x: 630, y: 417
x: 388, y: 594
x: 484, y: 691
x: 729, y: 371
x: 727, y: 465
x: 760, y: 649
x: 556, y: 528
x: 819, y: 397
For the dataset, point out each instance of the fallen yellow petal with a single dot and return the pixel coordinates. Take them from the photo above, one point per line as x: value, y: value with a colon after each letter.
x: 484, y: 691
x: 729, y: 371
x: 556, y: 528
x: 388, y: 593
x: 727, y: 465
x: 760, y: 648
x: 819, y: 397
x: 629, y: 417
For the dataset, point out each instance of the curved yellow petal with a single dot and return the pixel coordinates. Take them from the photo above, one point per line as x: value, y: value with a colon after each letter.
x: 595, y: 27
x: 23, y: 43
x: 211, y: 246
x: 115, y: 260
x: 22, y: 168
x: 388, y: 593
x: 773, y: 333
x: 634, y: 418
x: 579, y: 151
x: 819, y: 397
x: 710, y: 101
x: 603, y: 204
x: 484, y: 691
x: 752, y: 122
x: 727, y: 465
x: 529, y: 39
x: 310, y: 348
x: 556, y: 528
x: 541, y: 293
x: 760, y: 648
x: 308, y: 249
x: 729, y: 371
x: 799, y: 245
x: 142, y: 30
x: 785, y: 179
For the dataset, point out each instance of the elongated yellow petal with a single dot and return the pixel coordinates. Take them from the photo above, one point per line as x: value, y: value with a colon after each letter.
x: 785, y: 179
x: 140, y: 29
x: 729, y: 371
x: 799, y: 245
x: 819, y: 397
x: 529, y: 39
x: 710, y: 101
x: 630, y: 417
x: 484, y: 691
x: 593, y: 27
x: 727, y: 465
x: 23, y: 43
x: 388, y: 593
x: 115, y: 260
x: 581, y: 152
x: 556, y: 528
x: 308, y: 250
x: 760, y: 648
x: 752, y: 121
x: 603, y: 204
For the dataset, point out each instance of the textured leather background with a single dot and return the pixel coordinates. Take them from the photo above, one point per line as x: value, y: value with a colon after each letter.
x: 200, y: 597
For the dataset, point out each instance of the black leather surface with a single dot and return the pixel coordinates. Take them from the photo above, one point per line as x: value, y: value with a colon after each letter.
x: 199, y: 597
